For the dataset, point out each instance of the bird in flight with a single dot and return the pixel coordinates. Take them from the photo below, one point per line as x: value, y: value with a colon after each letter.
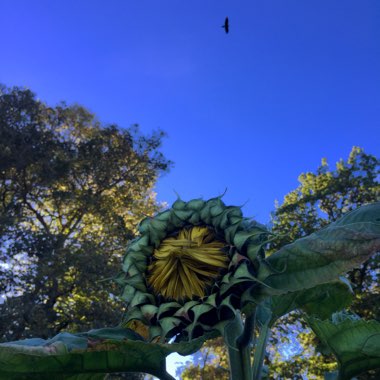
x: 226, y: 25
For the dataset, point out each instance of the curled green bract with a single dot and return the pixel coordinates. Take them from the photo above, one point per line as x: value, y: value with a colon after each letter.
x: 187, y: 271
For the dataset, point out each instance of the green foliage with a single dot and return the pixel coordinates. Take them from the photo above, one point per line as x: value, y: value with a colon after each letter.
x: 320, y: 301
x: 71, y: 194
x: 354, y: 342
x: 322, y: 197
x: 88, y: 355
x: 321, y: 256
x: 118, y: 349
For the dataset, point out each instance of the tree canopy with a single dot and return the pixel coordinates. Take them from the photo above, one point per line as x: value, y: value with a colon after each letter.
x: 71, y: 194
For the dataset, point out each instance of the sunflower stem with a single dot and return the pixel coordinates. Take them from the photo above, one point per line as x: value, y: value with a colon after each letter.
x: 246, y: 359
x: 236, y: 364
x: 260, y: 351
x: 245, y: 339
x: 245, y: 343
x: 239, y: 350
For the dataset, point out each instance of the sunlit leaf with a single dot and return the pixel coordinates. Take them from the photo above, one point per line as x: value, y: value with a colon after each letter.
x: 88, y: 355
x: 320, y: 301
x: 322, y: 256
x: 354, y: 342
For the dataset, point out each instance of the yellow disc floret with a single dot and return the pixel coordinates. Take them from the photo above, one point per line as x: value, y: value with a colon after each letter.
x: 184, y: 266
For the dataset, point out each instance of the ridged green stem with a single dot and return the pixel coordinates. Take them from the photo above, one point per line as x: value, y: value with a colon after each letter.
x: 237, y: 367
x: 240, y: 353
x: 260, y: 351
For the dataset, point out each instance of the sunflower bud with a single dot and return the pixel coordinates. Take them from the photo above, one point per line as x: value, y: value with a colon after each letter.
x: 191, y: 266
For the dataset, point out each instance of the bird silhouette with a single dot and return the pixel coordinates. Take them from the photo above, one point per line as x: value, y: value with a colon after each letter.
x: 226, y: 25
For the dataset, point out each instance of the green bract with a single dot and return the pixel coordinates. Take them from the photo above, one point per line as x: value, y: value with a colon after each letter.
x: 165, y: 317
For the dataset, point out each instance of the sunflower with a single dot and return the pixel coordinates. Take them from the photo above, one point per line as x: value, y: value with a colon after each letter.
x: 191, y: 268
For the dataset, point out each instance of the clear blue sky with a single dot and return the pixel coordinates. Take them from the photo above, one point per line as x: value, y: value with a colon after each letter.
x: 293, y: 81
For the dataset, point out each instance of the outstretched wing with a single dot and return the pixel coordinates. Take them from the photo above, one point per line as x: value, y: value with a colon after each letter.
x: 226, y: 25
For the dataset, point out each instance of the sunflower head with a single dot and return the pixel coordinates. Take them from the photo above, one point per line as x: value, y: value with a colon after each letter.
x: 191, y: 267
x: 185, y: 265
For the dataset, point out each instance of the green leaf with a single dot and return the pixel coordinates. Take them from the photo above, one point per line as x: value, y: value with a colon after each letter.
x: 179, y: 204
x: 211, y: 300
x: 354, y: 342
x: 195, y: 218
x: 73, y: 356
x: 163, y: 216
x: 226, y: 309
x: 108, y: 333
x: 321, y: 301
x: 184, y: 310
x: 175, y: 221
x: 230, y: 231
x: 134, y: 313
x: 324, y: 255
x: 149, y: 311
x: 165, y: 307
x: 228, y: 216
x: 168, y: 324
x: 155, y: 236
x: 241, y: 238
x: 198, y: 310
x: 141, y: 298
x: 194, y: 314
x: 253, y: 250
x: 195, y: 204
x: 128, y: 293
x: 139, y: 244
x: 144, y: 225
x: 254, y: 234
x: 232, y: 330
x: 205, y: 213
x: 137, y: 281
x: 184, y: 215
x: 159, y: 225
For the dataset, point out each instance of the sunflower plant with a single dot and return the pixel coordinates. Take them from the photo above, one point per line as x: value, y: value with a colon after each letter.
x: 187, y: 272
x: 199, y: 270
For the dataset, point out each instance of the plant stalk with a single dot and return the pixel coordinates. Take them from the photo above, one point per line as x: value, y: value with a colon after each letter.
x: 236, y: 364
x: 260, y: 351
x: 240, y: 352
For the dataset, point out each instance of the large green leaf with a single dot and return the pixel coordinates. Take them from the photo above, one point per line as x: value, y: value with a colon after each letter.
x: 322, y: 256
x: 88, y: 355
x: 323, y: 300
x: 320, y: 301
x: 354, y: 342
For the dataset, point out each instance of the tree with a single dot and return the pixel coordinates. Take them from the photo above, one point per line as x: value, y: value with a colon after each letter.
x: 320, y: 198
x: 211, y: 362
x: 71, y: 194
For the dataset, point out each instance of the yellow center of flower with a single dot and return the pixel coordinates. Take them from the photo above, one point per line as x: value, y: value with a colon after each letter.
x: 185, y: 265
